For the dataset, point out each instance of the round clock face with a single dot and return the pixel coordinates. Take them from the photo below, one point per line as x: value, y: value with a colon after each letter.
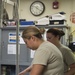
x: 37, y: 8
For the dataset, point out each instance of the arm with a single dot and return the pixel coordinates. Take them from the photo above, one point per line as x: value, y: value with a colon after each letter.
x: 37, y: 69
x: 72, y: 70
x: 26, y: 70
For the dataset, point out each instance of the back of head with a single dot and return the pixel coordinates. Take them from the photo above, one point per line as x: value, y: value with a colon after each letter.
x: 30, y: 31
x: 56, y: 32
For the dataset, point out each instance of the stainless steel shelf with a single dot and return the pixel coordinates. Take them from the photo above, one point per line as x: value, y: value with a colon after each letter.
x: 52, y: 26
x: 44, y: 26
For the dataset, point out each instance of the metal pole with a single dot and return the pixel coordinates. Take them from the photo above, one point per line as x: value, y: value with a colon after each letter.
x: 1, y: 11
x: 17, y: 36
x: 1, y: 16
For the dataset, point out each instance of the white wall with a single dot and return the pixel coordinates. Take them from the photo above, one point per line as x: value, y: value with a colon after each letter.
x: 64, y: 5
x: 68, y: 6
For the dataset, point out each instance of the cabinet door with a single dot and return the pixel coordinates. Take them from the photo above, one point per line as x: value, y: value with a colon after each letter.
x: 8, y: 50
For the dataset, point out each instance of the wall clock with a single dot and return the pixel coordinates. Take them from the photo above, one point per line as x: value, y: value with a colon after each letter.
x: 37, y: 8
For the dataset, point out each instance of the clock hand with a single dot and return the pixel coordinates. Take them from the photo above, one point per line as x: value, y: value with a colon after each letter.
x: 38, y: 8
